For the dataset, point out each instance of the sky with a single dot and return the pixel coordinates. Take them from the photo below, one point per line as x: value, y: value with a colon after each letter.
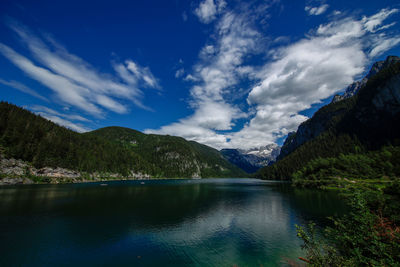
x: 228, y: 74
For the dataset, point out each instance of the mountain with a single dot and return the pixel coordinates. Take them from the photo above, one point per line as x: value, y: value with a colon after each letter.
x: 252, y: 160
x: 322, y: 120
x: 353, y: 88
x: 112, y: 150
x: 366, y: 121
x: 174, y: 156
x: 268, y: 152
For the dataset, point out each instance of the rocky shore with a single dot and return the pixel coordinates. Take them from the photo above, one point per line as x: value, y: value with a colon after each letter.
x: 15, y: 171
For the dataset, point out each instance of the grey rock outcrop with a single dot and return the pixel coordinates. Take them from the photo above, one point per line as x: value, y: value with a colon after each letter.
x: 14, y: 181
x: 18, y: 172
x: 353, y: 88
x: 56, y: 172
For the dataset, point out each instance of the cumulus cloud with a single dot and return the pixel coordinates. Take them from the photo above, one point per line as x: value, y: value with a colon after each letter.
x: 218, y: 70
x: 76, y: 82
x: 65, y: 120
x: 299, y: 74
x: 315, y: 11
x: 312, y: 69
x: 202, y: 125
x: 209, y: 9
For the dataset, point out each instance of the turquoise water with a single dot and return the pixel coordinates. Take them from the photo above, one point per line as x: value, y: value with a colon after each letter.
x: 208, y: 222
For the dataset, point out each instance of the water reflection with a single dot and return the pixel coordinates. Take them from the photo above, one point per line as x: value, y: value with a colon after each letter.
x: 173, y: 222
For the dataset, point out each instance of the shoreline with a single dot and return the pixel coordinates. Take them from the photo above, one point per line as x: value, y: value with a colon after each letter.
x: 22, y: 181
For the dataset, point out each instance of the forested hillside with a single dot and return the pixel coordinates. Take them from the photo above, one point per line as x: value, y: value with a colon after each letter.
x: 26, y: 136
x: 171, y: 154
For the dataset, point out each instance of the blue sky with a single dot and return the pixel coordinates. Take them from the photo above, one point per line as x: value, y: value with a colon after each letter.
x: 237, y: 74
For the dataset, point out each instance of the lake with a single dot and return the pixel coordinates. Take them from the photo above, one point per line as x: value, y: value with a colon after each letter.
x: 205, y: 222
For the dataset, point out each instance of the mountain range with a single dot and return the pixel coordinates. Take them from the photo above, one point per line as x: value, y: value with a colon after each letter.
x: 251, y: 160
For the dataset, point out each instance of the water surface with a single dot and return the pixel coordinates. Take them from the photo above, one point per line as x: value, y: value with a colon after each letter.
x: 209, y: 222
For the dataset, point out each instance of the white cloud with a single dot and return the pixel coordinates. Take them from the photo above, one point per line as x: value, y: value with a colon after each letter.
x: 336, y: 12
x: 298, y: 75
x: 208, y: 10
x: 143, y: 73
x: 46, y: 110
x: 179, y: 73
x: 23, y: 88
x: 315, y: 11
x: 190, y: 78
x: 76, y: 82
x: 374, y: 23
x: 65, y: 120
x: 312, y: 69
x: 66, y: 123
x: 383, y: 44
x: 219, y: 69
x: 66, y: 90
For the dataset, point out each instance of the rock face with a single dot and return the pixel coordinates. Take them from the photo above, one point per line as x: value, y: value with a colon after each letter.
x: 353, y: 88
x: 253, y: 159
x: 268, y: 152
x: 13, y: 167
x: 17, y: 172
x: 17, y: 167
x: 56, y: 172
x: 369, y: 111
x: 13, y: 181
x: 306, y: 131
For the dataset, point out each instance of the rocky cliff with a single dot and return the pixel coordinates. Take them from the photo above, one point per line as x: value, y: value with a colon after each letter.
x: 353, y: 88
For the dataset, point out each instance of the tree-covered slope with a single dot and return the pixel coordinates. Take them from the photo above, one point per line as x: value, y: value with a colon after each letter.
x: 174, y: 156
x: 364, y: 122
x: 26, y: 136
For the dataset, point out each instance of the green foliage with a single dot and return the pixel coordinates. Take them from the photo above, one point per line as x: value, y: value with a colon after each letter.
x: 323, y: 146
x: 40, y: 179
x: 318, y: 253
x: 367, y: 236
x: 378, y: 165
x: 32, y: 138
x: 171, y: 156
